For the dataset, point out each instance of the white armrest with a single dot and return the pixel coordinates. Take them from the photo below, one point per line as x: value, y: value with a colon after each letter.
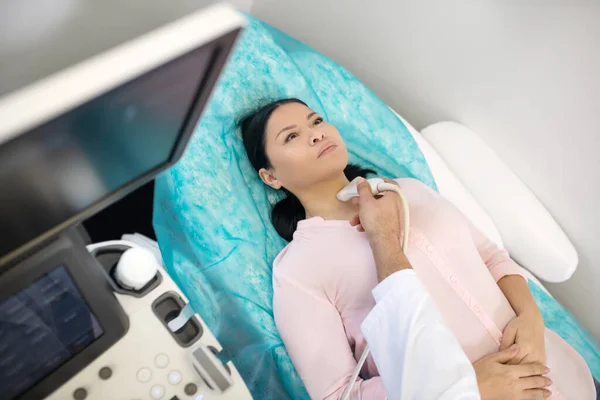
x: 528, y: 231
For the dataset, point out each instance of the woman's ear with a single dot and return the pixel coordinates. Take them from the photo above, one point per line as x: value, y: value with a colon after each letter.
x: 269, y: 179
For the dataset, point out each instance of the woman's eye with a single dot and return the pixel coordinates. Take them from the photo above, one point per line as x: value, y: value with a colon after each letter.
x: 291, y: 136
x: 318, y: 121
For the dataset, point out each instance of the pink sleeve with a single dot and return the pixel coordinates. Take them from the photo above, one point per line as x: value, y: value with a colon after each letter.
x: 496, y: 259
x: 316, y: 341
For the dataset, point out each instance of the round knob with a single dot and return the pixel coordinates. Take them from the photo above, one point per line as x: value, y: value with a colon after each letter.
x: 136, y: 268
x: 80, y: 394
x: 190, y: 389
x: 105, y: 373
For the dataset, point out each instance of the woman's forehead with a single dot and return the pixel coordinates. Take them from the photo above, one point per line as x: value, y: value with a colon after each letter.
x: 286, y: 115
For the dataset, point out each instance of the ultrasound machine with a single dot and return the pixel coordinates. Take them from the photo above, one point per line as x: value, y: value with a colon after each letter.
x: 104, y: 321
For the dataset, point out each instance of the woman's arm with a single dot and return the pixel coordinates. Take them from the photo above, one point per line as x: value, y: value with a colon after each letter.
x: 507, y: 273
x: 519, y: 296
x: 496, y: 259
x: 315, y: 338
x: 527, y: 329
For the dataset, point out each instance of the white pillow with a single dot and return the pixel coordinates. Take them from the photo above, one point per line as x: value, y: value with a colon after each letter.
x: 452, y: 189
x: 529, y: 232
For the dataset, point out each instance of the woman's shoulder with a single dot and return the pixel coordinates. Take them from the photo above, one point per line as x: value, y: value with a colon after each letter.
x: 415, y: 190
x: 298, y: 255
x: 413, y: 184
x: 303, y: 262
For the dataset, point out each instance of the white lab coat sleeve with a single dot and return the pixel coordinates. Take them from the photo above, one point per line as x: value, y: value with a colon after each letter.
x: 417, y: 356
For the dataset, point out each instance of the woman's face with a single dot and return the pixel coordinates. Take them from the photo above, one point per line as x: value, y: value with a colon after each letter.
x: 302, y: 147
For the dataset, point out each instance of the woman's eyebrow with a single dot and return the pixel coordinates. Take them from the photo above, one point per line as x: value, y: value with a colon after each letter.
x: 285, y: 129
x: 310, y: 115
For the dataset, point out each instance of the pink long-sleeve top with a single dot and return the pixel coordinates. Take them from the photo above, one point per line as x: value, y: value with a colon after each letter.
x: 322, y: 292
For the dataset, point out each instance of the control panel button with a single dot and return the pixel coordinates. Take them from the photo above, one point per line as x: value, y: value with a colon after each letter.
x: 190, y: 389
x: 105, y: 373
x: 157, y: 392
x: 174, y: 377
x: 199, y: 397
x: 144, y: 375
x: 80, y: 394
x: 161, y: 360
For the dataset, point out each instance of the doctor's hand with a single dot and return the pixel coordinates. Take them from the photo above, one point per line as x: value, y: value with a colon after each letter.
x: 497, y: 380
x: 379, y: 217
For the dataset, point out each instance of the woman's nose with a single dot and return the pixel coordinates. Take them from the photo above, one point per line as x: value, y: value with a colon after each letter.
x: 317, y: 137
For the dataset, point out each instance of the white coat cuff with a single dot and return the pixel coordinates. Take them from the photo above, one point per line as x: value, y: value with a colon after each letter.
x: 400, y: 280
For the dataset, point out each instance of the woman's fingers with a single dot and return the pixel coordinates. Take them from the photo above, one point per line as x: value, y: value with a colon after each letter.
x: 526, y: 370
x: 536, y: 394
x: 535, y: 382
x: 525, y: 359
x: 520, y: 358
x: 508, y: 337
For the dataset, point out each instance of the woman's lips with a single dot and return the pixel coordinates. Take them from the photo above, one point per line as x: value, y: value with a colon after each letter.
x: 326, y: 149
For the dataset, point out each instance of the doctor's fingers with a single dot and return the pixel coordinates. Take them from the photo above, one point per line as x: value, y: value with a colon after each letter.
x: 386, y: 180
x: 534, y: 382
x: 355, y: 221
x: 529, y: 370
x: 536, y: 394
x: 364, y: 192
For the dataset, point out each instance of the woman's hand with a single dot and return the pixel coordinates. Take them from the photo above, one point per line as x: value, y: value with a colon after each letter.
x: 527, y: 332
x: 498, y: 380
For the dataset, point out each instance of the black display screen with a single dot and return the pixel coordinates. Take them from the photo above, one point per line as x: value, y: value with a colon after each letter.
x: 61, y: 168
x: 41, y: 327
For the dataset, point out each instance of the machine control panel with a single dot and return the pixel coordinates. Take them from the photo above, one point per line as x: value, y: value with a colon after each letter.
x: 152, y: 361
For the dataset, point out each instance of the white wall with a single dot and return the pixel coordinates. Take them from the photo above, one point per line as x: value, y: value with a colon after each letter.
x: 525, y: 75
x: 38, y: 38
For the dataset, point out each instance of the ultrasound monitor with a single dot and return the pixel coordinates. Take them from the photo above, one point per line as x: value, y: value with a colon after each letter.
x: 71, y: 144
x: 79, y: 140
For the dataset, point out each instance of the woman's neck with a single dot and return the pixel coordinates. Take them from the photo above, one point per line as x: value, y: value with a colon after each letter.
x: 321, y: 200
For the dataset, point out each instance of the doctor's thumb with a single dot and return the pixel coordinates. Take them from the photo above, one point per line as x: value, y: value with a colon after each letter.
x: 364, y: 190
x: 505, y: 355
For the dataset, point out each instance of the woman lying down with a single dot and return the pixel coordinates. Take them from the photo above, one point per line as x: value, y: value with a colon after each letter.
x: 323, y: 279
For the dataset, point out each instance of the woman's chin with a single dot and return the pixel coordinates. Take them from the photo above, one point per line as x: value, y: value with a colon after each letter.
x: 334, y: 166
x: 335, y: 158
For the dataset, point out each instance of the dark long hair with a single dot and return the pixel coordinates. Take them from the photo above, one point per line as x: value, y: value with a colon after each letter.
x: 288, y: 212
